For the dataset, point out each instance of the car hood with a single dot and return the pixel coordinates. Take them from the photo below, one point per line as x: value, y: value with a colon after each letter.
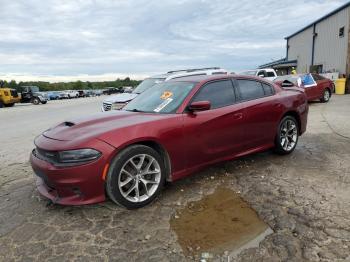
x: 98, y: 124
x: 121, y: 98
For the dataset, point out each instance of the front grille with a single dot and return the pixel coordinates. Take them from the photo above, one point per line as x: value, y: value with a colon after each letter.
x: 14, y: 93
x: 45, y: 155
x: 107, y: 106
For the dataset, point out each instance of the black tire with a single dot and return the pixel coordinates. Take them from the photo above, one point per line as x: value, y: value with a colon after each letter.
x: 281, y: 146
x: 36, y: 101
x: 326, y: 95
x: 1, y: 105
x: 112, y: 182
x: 44, y: 102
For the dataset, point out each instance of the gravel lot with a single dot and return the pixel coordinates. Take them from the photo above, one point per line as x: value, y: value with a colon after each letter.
x: 303, y: 197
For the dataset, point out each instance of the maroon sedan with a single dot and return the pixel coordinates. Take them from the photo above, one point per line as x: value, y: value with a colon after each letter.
x: 166, y: 133
x: 316, y: 86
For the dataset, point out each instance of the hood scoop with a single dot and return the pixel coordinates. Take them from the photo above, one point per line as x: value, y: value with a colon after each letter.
x: 67, y: 123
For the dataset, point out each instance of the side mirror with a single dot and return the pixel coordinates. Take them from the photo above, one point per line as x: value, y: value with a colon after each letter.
x: 199, y: 106
x: 261, y: 75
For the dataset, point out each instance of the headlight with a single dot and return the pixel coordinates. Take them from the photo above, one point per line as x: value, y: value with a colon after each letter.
x: 117, y: 106
x: 78, y: 156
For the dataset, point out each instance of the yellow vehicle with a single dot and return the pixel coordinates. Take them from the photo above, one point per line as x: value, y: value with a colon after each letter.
x: 8, y: 97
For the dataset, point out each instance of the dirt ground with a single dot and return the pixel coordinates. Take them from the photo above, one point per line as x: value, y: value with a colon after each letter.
x: 304, y: 197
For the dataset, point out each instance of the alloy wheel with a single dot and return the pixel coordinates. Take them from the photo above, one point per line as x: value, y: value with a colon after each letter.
x: 326, y: 95
x: 139, y: 178
x: 288, y: 135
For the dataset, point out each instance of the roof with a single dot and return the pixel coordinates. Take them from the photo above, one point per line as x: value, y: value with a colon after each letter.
x: 320, y: 19
x: 282, y: 61
x: 204, y: 78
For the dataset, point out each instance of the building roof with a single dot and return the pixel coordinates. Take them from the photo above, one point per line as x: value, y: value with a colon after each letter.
x: 320, y: 19
x: 282, y: 61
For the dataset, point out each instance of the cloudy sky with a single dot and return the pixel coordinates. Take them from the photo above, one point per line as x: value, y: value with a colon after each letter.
x: 108, y: 38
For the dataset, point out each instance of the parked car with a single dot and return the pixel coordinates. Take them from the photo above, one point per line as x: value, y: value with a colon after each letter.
x: 117, y: 102
x: 168, y: 132
x: 63, y: 95
x: 113, y: 90
x: 316, y: 86
x: 267, y: 73
x: 128, y: 89
x: 32, y: 94
x: 73, y: 94
x: 81, y: 93
x: 8, y: 97
x: 53, y: 95
x: 97, y: 92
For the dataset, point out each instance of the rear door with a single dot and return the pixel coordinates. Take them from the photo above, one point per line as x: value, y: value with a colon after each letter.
x: 262, y: 110
x: 215, y: 133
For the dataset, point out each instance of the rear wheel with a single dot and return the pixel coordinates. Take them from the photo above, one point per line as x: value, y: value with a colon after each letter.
x: 326, y: 96
x: 136, y: 177
x: 1, y: 105
x: 287, y: 136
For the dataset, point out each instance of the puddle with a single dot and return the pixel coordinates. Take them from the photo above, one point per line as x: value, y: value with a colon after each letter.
x: 221, y: 223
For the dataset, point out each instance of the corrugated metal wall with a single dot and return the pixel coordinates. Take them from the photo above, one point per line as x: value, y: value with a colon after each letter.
x: 330, y: 49
x: 300, y: 48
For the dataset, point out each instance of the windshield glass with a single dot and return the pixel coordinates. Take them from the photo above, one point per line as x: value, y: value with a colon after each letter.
x: 147, y: 83
x: 249, y: 73
x: 165, y: 97
x: 34, y: 89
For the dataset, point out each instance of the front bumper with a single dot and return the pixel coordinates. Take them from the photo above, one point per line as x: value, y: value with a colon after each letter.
x: 76, y: 185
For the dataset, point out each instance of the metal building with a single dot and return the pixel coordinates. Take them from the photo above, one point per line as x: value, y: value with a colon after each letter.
x: 322, y: 46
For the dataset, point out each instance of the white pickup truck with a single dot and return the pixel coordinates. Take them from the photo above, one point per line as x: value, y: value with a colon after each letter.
x: 267, y: 73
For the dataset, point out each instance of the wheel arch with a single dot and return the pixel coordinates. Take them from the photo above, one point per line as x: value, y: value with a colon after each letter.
x: 157, y: 147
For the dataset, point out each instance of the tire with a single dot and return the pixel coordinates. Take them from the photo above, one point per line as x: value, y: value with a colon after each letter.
x: 44, y: 102
x: 326, y: 95
x: 1, y: 105
x: 125, y: 177
x: 36, y: 101
x: 285, y: 142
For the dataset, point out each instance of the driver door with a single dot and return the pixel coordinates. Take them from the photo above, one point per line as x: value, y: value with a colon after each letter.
x: 216, y: 133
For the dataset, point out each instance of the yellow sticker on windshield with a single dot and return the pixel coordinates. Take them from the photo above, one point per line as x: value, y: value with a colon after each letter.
x: 166, y: 95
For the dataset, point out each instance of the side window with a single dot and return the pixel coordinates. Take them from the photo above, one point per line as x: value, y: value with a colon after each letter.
x: 267, y: 89
x: 250, y: 89
x: 262, y: 73
x: 219, y: 93
x: 270, y: 74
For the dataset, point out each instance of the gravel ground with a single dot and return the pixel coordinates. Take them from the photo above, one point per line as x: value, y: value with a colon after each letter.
x: 303, y: 197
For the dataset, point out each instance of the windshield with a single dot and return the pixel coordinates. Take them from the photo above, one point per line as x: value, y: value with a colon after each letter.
x: 147, y: 83
x: 34, y: 89
x: 165, y: 97
x: 249, y: 73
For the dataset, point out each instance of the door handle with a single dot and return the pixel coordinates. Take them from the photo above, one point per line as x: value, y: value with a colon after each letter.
x: 238, y: 116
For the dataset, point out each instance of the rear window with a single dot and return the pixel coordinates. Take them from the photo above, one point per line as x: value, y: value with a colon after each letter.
x: 270, y: 74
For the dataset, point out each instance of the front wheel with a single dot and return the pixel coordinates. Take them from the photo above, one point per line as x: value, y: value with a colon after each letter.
x: 287, y: 136
x: 136, y: 177
x: 326, y: 96
x: 36, y: 101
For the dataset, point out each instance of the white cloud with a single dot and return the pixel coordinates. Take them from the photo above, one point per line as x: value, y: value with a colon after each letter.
x: 79, y: 37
